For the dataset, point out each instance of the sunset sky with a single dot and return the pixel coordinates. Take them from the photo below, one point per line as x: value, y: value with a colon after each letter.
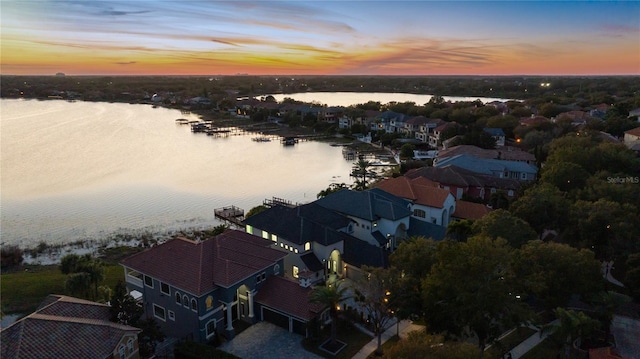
x: 162, y: 37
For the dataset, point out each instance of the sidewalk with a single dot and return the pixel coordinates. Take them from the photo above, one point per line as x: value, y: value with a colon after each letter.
x: 529, y: 343
x: 406, y: 326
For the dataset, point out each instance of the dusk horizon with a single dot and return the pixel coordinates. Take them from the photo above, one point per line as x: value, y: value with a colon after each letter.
x: 306, y: 38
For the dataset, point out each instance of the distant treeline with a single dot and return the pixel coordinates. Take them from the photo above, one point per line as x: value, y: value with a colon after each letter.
x: 596, y: 89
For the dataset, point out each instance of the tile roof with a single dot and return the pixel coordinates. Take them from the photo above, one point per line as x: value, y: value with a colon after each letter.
x: 199, y: 267
x: 418, y: 190
x: 289, y: 297
x: 65, y: 332
x: 633, y: 131
x: 486, y: 166
x: 305, y: 223
x: 370, y: 205
x: 506, y: 153
x: 470, y: 210
x: 457, y: 176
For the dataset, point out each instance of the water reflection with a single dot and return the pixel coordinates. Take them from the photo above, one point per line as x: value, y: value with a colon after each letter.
x: 83, y: 169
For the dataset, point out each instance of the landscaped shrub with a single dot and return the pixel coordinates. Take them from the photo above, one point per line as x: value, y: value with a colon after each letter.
x: 10, y: 257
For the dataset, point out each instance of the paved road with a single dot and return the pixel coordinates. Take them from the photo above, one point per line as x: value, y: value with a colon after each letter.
x: 267, y: 341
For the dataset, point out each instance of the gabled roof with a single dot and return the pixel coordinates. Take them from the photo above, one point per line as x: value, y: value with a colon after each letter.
x: 369, y: 205
x: 506, y: 153
x: 305, y: 223
x: 360, y: 253
x: 198, y: 267
x: 312, y: 262
x: 451, y: 175
x: 65, y: 332
x: 288, y: 296
x: 470, y: 210
x: 419, y: 190
x: 486, y: 166
x: 417, y: 120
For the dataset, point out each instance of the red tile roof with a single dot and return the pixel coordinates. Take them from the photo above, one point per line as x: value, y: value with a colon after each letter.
x: 633, y: 131
x: 200, y: 266
x: 470, y: 210
x: 288, y: 296
x: 419, y: 190
x: 64, y: 327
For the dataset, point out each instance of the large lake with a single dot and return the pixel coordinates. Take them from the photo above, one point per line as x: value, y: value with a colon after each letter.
x: 354, y: 98
x: 84, y: 170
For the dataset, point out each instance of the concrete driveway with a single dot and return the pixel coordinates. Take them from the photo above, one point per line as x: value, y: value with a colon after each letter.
x: 267, y: 341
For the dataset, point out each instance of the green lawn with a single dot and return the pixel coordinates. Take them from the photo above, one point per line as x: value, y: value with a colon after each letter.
x: 23, y: 291
x: 346, y: 333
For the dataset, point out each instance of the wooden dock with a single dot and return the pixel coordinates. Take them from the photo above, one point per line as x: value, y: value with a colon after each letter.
x: 231, y: 214
x: 279, y: 201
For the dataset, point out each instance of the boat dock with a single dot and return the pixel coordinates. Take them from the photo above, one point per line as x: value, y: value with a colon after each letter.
x: 231, y: 214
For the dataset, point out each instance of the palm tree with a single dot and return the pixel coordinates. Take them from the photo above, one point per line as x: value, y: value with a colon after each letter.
x: 331, y: 296
x: 361, y: 170
x: 572, y: 326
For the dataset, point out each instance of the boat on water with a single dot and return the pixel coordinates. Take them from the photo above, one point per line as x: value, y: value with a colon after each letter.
x: 182, y: 121
x: 261, y: 139
x: 289, y: 141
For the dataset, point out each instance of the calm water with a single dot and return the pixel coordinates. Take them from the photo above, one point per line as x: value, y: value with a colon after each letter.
x: 82, y: 170
x: 354, y: 98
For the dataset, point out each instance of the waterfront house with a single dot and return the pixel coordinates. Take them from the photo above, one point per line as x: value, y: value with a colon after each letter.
x: 379, y: 218
x: 429, y: 203
x: 68, y: 327
x: 434, y: 138
x: 196, y: 289
x: 311, y: 237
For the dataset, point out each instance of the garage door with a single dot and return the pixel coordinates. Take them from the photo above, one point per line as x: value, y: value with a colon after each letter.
x: 275, y: 318
x: 299, y: 327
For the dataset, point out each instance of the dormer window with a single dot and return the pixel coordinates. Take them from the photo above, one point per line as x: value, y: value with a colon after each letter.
x: 375, y: 224
x: 307, y: 246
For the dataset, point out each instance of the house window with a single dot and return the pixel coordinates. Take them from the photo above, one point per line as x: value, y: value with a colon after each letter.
x: 178, y: 298
x: 185, y: 301
x: 375, y: 224
x: 295, y: 250
x: 295, y: 271
x: 286, y: 246
x: 249, y: 229
x: 276, y: 269
x: 510, y: 193
x: 307, y: 246
x: 265, y: 234
x: 419, y: 213
x: 122, y: 352
x: 274, y: 238
x: 211, y: 328
x: 164, y: 288
x: 172, y: 315
x: 264, y: 276
x: 130, y: 345
x: 148, y: 281
x: 523, y: 176
x: 158, y: 312
x: 493, y: 190
x: 281, y: 245
x: 194, y: 305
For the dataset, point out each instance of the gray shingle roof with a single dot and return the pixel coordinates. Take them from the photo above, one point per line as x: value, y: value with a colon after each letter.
x: 370, y: 205
x: 305, y: 223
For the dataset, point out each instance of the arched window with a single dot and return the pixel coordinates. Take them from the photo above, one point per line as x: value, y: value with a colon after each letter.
x: 185, y: 301
x: 194, y: 304
x: 178, y: 300
x: 122, y: 352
